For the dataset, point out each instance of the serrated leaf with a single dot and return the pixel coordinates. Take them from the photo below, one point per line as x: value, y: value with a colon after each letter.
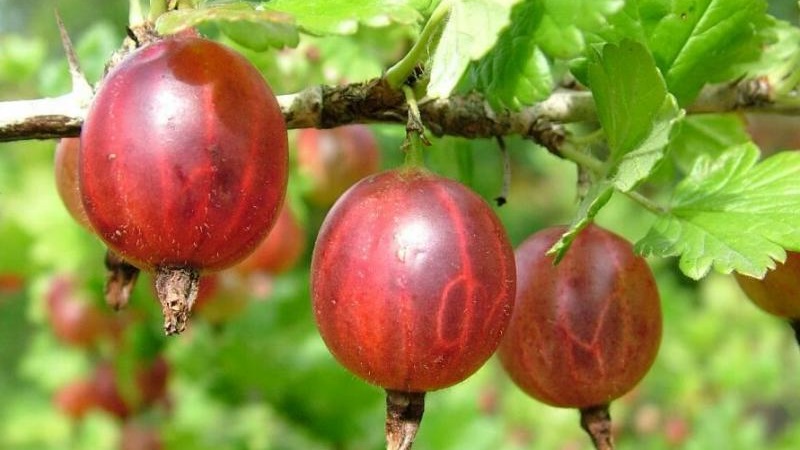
x: 597, y: 197
x: 693, y: 41
x: 516, y: 72
x: 732, y: 213
x: 705, y: 134
x: 326, y: 17
x: 253, y: 27
x: 471, y: 30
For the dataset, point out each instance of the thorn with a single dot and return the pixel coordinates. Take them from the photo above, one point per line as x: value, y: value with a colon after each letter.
x: 80, y: 86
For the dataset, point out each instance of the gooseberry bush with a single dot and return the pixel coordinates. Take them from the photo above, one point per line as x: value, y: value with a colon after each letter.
x: 344, y: 209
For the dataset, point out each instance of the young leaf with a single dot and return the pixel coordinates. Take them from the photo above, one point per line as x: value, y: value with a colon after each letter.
x: 251, y: 27
x: 469, y: 33
x: 325, y: 17
x: 516, y: 72
x: 634, y: 108
x: 628, y: 92
x: 732, y: 213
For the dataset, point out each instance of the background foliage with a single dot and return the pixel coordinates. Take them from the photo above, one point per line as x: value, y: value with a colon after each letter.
x: 264, y: 380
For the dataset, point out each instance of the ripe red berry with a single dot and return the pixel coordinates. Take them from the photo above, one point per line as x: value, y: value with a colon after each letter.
x: 584, y: 331
x: 778, y: 293
x: 412, y: 285
x: 74, y: 320
x: 107, y: 393
x: 281, y: 249
x: 335, y: 159
x: 183, y: 163
x: 75, y: 399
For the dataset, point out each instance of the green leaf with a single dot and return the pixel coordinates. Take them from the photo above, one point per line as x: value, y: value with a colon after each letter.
x: 597, y: 197
x: 694, y: 41
x: 251, y: 26
x: 637, y: 164
x: 564, y: 25
x: 516, y: 72
x: 325, y: 17
x: 732, y: 213
x: 628, y: 92
x: 705, y: 134
x: 634, y: 108
x: 471, y: 30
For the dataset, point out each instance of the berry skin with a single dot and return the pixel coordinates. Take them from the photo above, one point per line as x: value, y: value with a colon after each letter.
x: 584, y: 331
x: 183, y: 163
x: 412, y: 281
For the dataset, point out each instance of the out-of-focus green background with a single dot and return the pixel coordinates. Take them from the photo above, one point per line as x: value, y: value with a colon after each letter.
x: 727, y: 375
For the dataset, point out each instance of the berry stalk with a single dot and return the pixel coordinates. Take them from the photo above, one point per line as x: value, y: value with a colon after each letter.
x: 403, y: 415
x: 596, y: 421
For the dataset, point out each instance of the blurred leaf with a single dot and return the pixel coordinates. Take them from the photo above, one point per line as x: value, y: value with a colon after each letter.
x: 731, y: 213
x: 705, y: 134
x: 20, y: 58
x: 516, y: 72
x: 470, y: 31
x: 564, y: 24
x: 322, y: 17
x: 779, y: 61
x: 253, y: 27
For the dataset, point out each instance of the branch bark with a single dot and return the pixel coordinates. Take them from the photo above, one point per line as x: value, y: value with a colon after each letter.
x: 374, y: 101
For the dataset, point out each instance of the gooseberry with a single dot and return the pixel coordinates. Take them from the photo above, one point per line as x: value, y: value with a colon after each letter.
x: 335, y: 159
x: 584, y: 331
x: 412, y: 286
x: 183, y: 164
x: 280, y: 250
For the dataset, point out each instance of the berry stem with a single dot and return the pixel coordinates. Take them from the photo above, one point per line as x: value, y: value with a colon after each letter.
x: 177, y: 291
x: 403, y: 416
x: 120, y: 279
x: 398, y: 74
x: 415, y: 131
x: 596, y: 421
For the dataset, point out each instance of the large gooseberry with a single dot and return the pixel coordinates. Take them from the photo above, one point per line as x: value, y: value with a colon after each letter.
x: 183, y: 163
x: 584, y: 331
x: 412, y: 285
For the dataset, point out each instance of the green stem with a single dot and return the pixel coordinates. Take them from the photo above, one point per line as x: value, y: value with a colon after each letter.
x: 399, y: 73
x: 586, y: 139
x: 582, y: 158
x: 648, y: 204
x: 135, y: 16
x: 414, y: 129
x: 157, y: 8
